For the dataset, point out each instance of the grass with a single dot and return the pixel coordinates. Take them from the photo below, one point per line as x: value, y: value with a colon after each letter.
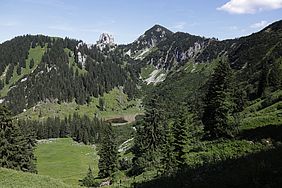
x: 117, y: 104
x: 146, y: 71
x: 16, y: 179
x: 263, y: 112
x: 35, y: 54
x: 66, y: 160
x: 72, y: 62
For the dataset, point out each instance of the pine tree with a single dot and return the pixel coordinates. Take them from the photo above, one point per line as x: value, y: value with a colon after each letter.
x: 150, y: 138
x: 187, y: 132
x: 31, y: 64
x: 108, y: 153
x: 218, y: 103
x: 19, y: 70
x: 16, y: 149
x: 169, y: 158
x: 102, y: 104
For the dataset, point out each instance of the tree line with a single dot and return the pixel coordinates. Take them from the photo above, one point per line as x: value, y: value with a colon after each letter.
x: 55, y: 79
x: 79, y: 128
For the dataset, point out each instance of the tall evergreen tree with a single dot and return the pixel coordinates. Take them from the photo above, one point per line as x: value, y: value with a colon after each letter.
x: 16, y: 149
x: 218, y: 103
x: 107, y: 152
x: 102, y: 104
x: 187, y: 132
x: 150, y: 137
x: 31, y: 63
x: 168, y: 159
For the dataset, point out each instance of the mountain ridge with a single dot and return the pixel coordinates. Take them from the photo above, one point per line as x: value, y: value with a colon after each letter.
x: 84, y: 71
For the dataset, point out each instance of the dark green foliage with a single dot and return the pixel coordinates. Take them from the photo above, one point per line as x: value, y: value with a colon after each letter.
x: 16, y: 148
x: 22, y: 62
x: 108, y: 152
x: 55, y: 80
x: 81, y: 129
x: 89, y: 180
x: 219, y: 103
x: 149, y: 138
x: 9, y: 73
x: 1, y: 84
x: 260, y: 169
x: 187, y: 132
x: 102, y: 104
x: 31, y: 64
x: 19, y: 70
x: 168, y: 160
x: 182, y: 138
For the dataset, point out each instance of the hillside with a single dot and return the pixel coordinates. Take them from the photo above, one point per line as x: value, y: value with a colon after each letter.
x: 169, y: 109
x: 16, y: 179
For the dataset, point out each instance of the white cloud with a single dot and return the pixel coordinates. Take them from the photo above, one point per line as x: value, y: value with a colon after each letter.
x: 260, y: 24
x: 179, y: 25
x: 250, y: 6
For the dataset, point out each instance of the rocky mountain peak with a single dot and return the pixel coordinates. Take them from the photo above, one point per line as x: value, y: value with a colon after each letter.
x: 158, y: 30
x: 151, y: 38
x: 105, y: 39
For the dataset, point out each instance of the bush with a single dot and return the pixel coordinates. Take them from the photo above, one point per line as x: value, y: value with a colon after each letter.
x: 90, y: 181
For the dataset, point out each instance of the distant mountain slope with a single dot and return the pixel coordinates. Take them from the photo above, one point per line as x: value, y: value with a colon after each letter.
x: 67, y: 70
x: 150, y: 39
x: 16, y: 179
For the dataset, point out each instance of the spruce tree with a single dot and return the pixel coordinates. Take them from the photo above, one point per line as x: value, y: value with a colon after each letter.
x: 150, y: 137
x: 168, y: 160
x: 19, y: 70
x: 31, y: 64
x: 16, y: 149
x: 102, y: 104
x: 108, y: 152
x: 218, y: 103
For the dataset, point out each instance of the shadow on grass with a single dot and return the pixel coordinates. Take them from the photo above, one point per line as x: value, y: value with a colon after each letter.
x: 263, y: 169
x: 274, y: 132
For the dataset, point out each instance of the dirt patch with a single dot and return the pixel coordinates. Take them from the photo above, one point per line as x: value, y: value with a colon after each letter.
x: 125, y: 118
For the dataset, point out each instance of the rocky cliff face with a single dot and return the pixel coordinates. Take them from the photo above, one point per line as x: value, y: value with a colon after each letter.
x: 146, y: 42
x: 105, y: 40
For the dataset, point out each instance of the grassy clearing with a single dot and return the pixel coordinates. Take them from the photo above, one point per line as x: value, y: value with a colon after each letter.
x: 16, y: 179
x: 35, y: 54
x: 66, y: 160
x: 263, y: 112
x: 117, y: 104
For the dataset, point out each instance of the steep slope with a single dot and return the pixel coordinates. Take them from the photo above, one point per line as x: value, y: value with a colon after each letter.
x: 67, y: 70
x: 256, y: 61
x: 177, y: 49
x: 150, y: 39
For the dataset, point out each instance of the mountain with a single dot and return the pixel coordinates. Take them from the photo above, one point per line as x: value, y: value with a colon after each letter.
x: 59, y: 70
x: 41, y: 68
x: 150, y: 39
x: 105, y: 40
x: 158, y: 92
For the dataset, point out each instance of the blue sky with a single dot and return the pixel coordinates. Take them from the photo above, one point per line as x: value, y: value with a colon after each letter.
x: 128, y: 19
